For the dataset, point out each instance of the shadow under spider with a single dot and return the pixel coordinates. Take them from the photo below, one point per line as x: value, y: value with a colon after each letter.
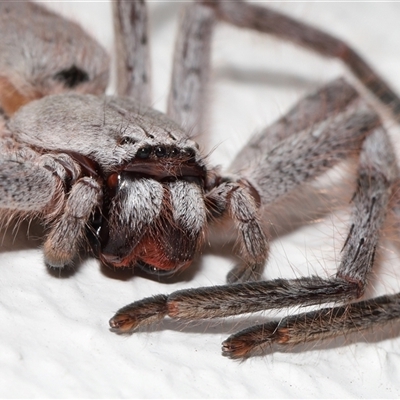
x: 268, y: 78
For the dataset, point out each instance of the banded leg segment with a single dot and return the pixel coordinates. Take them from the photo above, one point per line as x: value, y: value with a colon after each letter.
x: 262, y: 19
x: 378, y: 173
x: 133, y: 55
x: 327, y: 102
x: 187, y: 97
x: 305, y: 155
x: 68, y: 233
x: 26, y: 187
x: 238, y: 200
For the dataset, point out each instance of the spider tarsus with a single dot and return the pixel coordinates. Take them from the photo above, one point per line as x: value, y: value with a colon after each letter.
x: 256, y: 340
x: 139, y: 313
x: 122, y: 323
x: 235, y: 349
x: 249, y: 343
x: 55, y: 259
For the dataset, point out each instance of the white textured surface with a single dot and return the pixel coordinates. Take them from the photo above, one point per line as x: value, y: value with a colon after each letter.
x: 54, y: 337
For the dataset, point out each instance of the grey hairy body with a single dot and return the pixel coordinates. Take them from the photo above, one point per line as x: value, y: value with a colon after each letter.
x: 129, y: 185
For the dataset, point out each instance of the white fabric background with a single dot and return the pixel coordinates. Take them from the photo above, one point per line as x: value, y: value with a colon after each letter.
x: 54, y: 336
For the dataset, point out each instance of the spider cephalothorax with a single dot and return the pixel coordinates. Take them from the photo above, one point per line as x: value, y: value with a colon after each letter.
x: 149, y: 178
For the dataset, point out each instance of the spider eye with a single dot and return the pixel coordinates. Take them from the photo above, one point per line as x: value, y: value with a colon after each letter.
x: 144, y: 152
x: 174, y: 152
x: 189, y: 154
x: 72, y: 77
x: 160, y: 151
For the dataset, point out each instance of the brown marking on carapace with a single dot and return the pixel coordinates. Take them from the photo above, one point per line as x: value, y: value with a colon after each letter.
x: 11, y: 99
